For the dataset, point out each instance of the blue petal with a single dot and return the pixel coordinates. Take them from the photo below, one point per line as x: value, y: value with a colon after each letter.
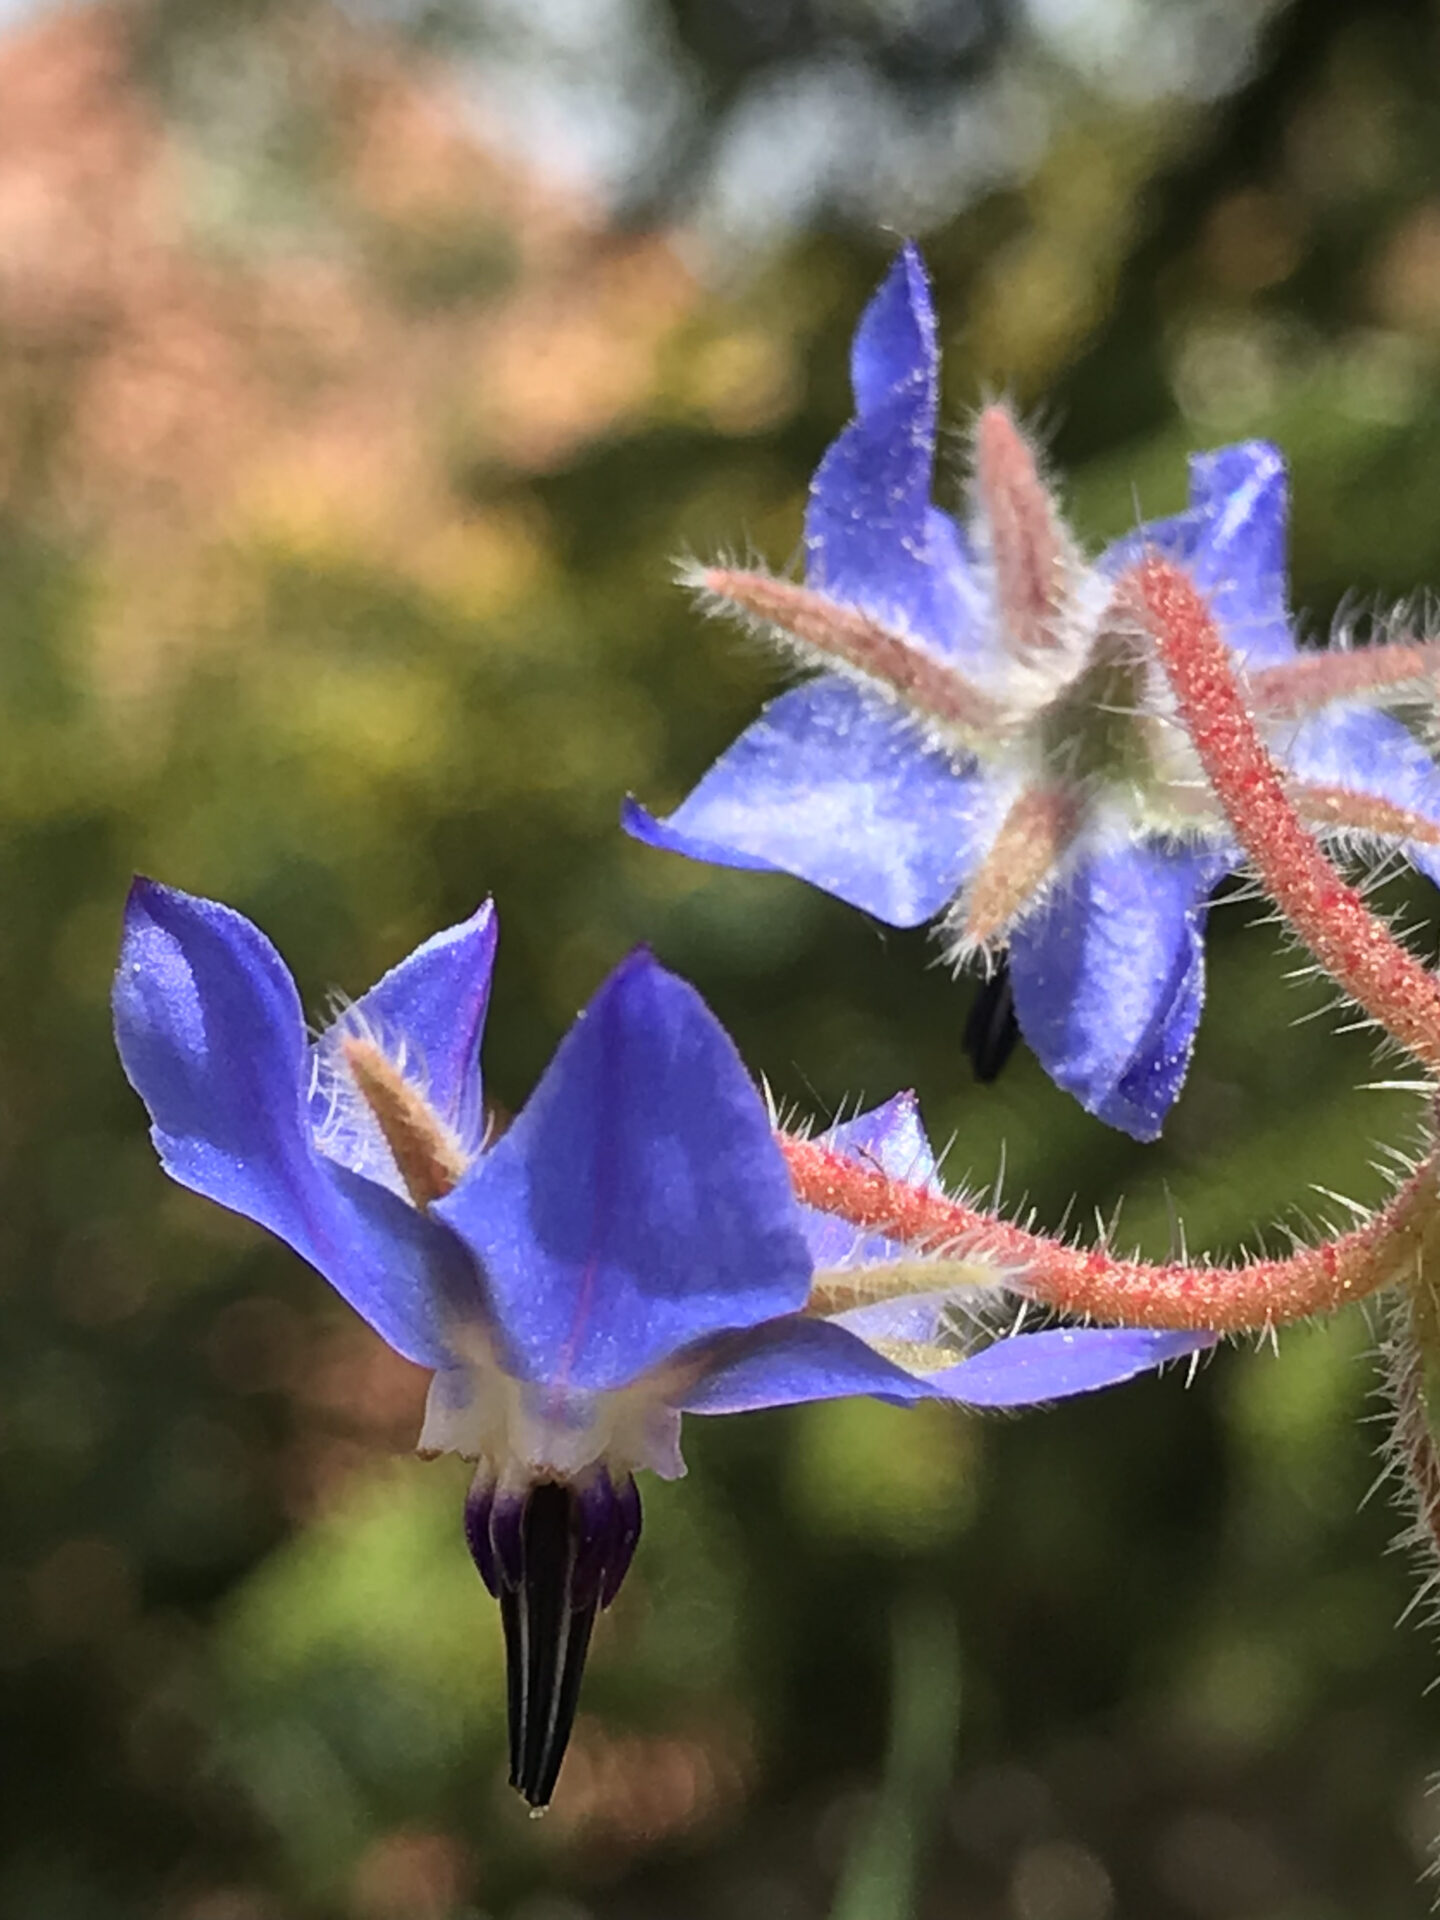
x: 892, y: 1138
x: 794, y: 1360
x: 1064, y: 1360
x: 1232, y: 539
x: 1109, y: 976
x: 1370, y: 753
x: 639, y: 1202
x: 918, y: 1317
x: 830, y: 786
x: 434, y: 1003
x: 646, y: 827
x: 210, y: 1032
x: 872, y: 537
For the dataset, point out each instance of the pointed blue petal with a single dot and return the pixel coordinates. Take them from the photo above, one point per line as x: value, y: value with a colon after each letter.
x: 1061, y: 1361
x: 1370, y: 753
x: 891, y: 1137
x: 794, y: 1360
x: 1242, y: 497
x: 895, y: 356
x: 1108, y: 978
x: 639, y: 1202
x: 797, y: 1360
x: 210, y: 1032
x: 651, y: 831
x: 872, y: 537
x: 433, y: 1003
x: 1232, y: 539
x: 830, y: 786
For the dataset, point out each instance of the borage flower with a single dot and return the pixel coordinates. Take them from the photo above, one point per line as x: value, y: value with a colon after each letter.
x: 628, y: 1251
x: 990, y: 739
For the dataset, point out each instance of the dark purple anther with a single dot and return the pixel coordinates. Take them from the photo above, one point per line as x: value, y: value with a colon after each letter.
x: 625, y: 1539
x: 595, y: 1513
x: 478, y: 1502
x: 553, y: 1555
x: 507, y: 1515
x: 992, y: 1031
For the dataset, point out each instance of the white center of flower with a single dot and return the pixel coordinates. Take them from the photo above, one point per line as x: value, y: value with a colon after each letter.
x: 525, y: 1431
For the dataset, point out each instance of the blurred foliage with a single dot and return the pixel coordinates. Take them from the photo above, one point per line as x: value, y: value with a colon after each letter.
x: 345, y: 464
x: 881, y: 1875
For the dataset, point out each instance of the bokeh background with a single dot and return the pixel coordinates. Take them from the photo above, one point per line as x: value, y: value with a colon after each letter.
x: 363, y: 372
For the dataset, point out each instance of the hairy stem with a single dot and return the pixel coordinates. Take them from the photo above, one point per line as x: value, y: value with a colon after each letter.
x: 1355, y: 948
x: 1410, y: 1362
x: 1256, y: 1294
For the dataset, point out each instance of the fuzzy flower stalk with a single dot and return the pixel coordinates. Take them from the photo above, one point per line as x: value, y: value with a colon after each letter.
x: 1373, y: 970
x: 630, y: 1250
x: 1398, y: 1248
x: 986, y: 738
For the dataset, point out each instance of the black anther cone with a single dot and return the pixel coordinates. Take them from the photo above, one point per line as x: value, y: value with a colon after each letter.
x: 554, y: 1556
x: 991, y: 1032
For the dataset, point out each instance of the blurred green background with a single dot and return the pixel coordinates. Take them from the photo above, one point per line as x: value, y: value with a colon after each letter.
x: 363, y: 374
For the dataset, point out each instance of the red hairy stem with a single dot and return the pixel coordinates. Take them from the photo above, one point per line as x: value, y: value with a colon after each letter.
x: 1257, y: 1294
x: 1355, y: 948
x: 1409, y: 1358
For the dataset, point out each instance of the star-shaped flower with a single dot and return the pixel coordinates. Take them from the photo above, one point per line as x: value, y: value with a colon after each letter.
x: 628, y: 1251
x: 989, y: 738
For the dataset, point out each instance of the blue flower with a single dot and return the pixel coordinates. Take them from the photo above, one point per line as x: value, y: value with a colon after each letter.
x: 629, y: 1250
x: 990, y: 740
